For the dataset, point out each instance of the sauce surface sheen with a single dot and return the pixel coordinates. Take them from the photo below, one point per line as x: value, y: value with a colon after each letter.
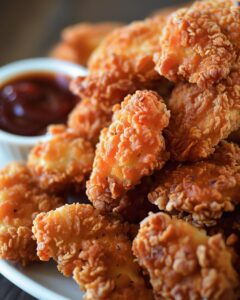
x: 31, y: 102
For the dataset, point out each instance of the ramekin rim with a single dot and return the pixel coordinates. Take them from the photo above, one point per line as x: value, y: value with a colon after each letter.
x: 50, y: 65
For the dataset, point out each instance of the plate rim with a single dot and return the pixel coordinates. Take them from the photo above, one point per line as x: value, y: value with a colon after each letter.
x: 27, y: 284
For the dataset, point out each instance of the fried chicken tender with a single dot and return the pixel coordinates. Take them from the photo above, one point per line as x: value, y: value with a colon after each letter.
x: 101, y: 93
x: 94, y: 249
x: 122, y: 64
x: 135, y: 44
x: 80, y: 40
x: 194, y: 47
x: 63, y: 162
x: 131, y: 148
x: 225, y: 14
x: 183, y: 262
x: 20, y: 201
x: 201, y: 118
x: 204, y: 189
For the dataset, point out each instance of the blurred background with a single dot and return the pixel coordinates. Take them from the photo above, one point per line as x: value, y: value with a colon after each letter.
x: 29, y: 28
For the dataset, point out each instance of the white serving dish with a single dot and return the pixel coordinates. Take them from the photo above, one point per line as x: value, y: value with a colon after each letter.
x: 42, y: 281
x: 15, y: 147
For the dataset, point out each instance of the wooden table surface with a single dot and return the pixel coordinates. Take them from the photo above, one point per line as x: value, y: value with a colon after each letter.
x: 29, y: 28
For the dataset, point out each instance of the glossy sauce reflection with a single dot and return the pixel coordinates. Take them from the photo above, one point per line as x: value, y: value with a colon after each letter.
x: 28, y: 104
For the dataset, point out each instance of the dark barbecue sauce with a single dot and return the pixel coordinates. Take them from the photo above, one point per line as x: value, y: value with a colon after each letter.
x: 28, y: 104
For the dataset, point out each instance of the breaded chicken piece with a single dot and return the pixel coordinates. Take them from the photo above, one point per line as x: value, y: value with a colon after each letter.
x: 201, y: 118
x: 195, y: 49
x: 64, y: 161
x: 20, y: 201
x: 100, y: 93
x: 204, y: 189
x: 122, y: 64
x: 183, y: 262
x: 131, y: 148
x: 94, y: 249
x: 225, y: 14
x: 80, y: 40
x: 135, y: 43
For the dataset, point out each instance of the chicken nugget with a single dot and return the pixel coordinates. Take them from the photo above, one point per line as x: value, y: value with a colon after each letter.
x: 63, y: 162
x: 122, y: 64
x: 131, y: 148
x: 203, y: 189
x: 201, y: 118
x: 194, y: 48
x: 94, y: 249
x: 20, y: 201
x: 183, y: 262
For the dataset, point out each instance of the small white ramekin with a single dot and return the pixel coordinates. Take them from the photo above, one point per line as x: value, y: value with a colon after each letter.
x: 14, y: 147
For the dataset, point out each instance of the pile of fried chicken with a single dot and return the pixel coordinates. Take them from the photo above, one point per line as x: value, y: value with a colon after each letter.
x: 153, y: 141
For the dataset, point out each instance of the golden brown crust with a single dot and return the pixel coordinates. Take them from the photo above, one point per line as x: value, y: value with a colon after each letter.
x: 94, y: 249
x: 225, y: 14
x: 99, y: 92
x: 204, y: 190
x: 135, y: 44
x: 122, y: 64
x: 20, y: 201
x: 131, y: 148
x: 63, y: 162
x: 201, y: 118
x: 80, y: 40
x: 184, y: 263
x: 194, y: 49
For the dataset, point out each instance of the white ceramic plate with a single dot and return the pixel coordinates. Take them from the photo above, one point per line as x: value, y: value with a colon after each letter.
x: 42, y: 281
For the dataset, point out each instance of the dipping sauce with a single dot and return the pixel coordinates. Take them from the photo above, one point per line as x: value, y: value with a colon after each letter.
x: 28, y: 104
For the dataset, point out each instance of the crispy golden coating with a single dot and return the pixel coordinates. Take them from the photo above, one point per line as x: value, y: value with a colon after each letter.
x: 204, y: 189
x: 100, y: 93
x: 201, y: 118
x: 94, y: 249
x: 63, y: 162
x: 80, y: 40
x: 183, y: 262
x: 122, y: 64
x: 225, y: 14
x: 135, y: 43
x: 131, y: 148
x: 194, y: 48
x: 20, y: 201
